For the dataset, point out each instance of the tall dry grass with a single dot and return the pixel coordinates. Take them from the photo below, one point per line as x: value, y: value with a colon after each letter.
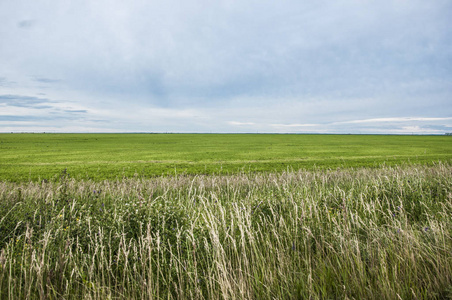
x: 343, y: 234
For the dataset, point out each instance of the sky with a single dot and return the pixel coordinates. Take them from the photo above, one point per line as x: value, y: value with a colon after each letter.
x: 248, y: 66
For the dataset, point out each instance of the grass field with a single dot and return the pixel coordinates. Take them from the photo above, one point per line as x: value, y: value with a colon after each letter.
x: 382, y: 233
x: 233, y: 217
x: 26, y: 157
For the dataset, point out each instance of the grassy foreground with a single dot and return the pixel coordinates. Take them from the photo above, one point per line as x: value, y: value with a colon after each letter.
x: 345, y: 234
x: 25, y: 157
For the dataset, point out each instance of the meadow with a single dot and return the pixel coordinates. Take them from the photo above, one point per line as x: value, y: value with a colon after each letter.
x: 382, y: 233
x: 25, y: 157
x: 151, y: 216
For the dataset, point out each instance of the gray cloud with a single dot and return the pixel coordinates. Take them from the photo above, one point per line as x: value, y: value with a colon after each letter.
x: 42, y: 107
x: 26, y: 24
x: 286, y: 62
x: 24, y: 101
x: 5, y: 82
x: 46, y: 80
x: 79, y: 111
x: 23, y: 118
x: 55, y: 116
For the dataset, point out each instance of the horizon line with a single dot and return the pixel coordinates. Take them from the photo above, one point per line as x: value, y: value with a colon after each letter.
x: 262, y: 133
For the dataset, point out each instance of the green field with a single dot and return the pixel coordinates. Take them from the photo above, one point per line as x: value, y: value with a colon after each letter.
x: 26, y: 157
x: 234, y: 216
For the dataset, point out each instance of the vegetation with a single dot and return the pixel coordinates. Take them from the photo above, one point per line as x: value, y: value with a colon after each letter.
x: 355, y: 233
x: 37, y: 157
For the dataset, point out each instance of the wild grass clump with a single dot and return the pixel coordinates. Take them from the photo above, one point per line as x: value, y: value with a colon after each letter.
x: 345, y: 234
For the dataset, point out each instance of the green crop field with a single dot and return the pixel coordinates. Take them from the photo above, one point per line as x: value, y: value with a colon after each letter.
x: 26, y: 157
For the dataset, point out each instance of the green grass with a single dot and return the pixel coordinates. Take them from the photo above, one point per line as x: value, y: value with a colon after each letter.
x: 26, y: 157
x: 365, y: 233
x: 233, y: 216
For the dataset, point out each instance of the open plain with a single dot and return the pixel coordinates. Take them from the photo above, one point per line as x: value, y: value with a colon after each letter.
x: 107, y: 216
x: 111, y: 156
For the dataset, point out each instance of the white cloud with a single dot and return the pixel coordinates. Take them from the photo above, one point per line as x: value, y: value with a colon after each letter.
x: 235, y: 123
x: 293, y: 125
x: 394, y: 120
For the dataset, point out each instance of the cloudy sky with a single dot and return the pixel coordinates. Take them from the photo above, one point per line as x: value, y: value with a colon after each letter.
x: 298, y: 66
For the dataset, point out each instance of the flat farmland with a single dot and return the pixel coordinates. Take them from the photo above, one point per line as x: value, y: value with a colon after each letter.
x: 26, y: 157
